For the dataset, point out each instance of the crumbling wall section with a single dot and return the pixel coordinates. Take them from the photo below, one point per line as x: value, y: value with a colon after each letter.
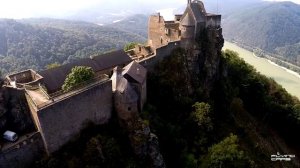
x: 160, y: 54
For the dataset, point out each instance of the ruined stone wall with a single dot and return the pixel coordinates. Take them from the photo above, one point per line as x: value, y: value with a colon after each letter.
x: 22, y: 154
x: 172, y: 31
x: 175, y: 34
x: 61, y: 121
x: 160, y: 33
x: 161, y: 53
x: 141, y: 51
x: 157, y: 34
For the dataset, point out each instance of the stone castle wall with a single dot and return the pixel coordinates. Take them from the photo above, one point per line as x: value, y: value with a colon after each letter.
x: 155, y: 31
x: 160, y: 54
x: 60, y: 122
x: 161, y: 32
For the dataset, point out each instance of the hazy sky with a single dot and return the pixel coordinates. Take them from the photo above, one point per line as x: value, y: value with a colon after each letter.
x: 59, y: 8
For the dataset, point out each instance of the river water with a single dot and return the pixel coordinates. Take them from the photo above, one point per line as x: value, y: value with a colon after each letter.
x: 288, y: 79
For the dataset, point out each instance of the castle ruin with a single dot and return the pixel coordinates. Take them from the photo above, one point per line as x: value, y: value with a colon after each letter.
x: 119, y: 83
x: 183, y: 31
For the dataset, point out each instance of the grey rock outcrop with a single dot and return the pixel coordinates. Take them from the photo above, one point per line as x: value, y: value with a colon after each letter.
x: 144, y: 143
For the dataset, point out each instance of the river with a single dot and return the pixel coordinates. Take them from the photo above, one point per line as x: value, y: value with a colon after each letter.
x: 288, y: 79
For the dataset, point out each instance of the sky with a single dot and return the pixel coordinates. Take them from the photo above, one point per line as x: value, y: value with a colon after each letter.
x: 60, y: 8
x: 57, y: 8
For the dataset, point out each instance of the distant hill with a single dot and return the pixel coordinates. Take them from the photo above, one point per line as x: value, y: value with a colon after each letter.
x: 134, y: 24
x: 271, y: 26
x: 35, y: 43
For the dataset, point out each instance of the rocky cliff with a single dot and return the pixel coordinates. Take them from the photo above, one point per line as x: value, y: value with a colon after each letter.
x: 144, y: 143
x: 204, y: 60
x: 14, y: 111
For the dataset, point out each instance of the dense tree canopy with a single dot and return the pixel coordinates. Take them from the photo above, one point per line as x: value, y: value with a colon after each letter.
x: 201, y: 115
x: 226, y: 154
x: 78, y: 75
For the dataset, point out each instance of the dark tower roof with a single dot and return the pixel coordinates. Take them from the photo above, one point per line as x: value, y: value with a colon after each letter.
x: 54, y: 78
x: 188, y: 20
x: 136, y: 71
x: 196, y: 11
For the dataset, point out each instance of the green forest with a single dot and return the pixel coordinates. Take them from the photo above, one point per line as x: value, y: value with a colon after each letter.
x: 272, y: 27
x: 36, y: 43
x: 237, y: 125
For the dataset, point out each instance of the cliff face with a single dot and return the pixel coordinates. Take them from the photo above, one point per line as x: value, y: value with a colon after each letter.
x: 212, y: 57
x: 14, y: 111
x: 144, y: 143
x: 204, y: 60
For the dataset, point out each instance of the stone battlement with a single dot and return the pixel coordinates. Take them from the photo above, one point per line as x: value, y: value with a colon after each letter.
x: 163, y: 36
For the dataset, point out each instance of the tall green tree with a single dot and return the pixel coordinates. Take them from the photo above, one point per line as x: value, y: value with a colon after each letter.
x: 227, y: 154
x: 78, y: 75
x: 130, y: 46
x: 201, y: 115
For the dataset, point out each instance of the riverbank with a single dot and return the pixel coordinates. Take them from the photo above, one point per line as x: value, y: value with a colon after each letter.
x: 285, y: 77
x: 275, y: 64
x: 279, y: 60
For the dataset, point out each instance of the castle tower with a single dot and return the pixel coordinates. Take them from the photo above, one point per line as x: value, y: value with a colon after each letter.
x: 187, y: 30
x: 192, y: 22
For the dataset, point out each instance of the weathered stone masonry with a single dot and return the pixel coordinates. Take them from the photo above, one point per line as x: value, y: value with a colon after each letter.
x: 60, y: 122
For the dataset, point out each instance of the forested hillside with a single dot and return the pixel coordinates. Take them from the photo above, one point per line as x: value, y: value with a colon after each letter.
x: 35, y: 43
x: 135, y: 24
x: 271, y: 26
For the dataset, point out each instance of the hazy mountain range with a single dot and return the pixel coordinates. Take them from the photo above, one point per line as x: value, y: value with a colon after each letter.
x: 35, y: 43
x: 274, y: 27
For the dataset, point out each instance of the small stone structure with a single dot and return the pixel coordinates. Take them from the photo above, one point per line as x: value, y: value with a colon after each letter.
x: 20, y: 79
x: 62, y: 117
x: 130, y: 91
